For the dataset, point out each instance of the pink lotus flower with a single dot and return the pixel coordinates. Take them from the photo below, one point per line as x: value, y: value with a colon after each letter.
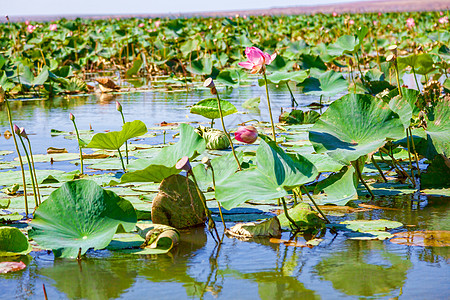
x: 256, y: 59
x: 443, y: 20
x: 379, y: 14
x: 31, y: 28
x: 246, y: 134
x: 334, y: 14
x: 27, y: 22
x: 410, y: 22
x: 157, y: 23
x: 53, y: 27
x: 141, y: 25
x: 375, y: 23
x: 351, y: 22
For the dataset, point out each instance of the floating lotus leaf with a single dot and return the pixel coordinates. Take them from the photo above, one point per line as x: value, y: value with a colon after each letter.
x: 275, y: 173
x: 13, y: 242
x: 431, y: 238
x: 115, y: 139
x: 252, y: 103
x: 353, y: 126
x: 366, y: 225
x: 284, y: 77
x: 78, y: 216
x: 300, y: 117
x: 209, y: 108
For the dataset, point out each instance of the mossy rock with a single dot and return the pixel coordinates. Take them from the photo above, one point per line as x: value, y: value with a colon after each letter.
x: 178, y: 203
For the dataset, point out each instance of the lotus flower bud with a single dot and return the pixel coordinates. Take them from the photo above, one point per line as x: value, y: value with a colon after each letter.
x: 2, y: 94
x: 207, y: 162
x: 16, y: 129
x: 23, y: 133
x: 183, y: 164
x: 118, y: 106
x: 72, y: 117
x: 246, y: 134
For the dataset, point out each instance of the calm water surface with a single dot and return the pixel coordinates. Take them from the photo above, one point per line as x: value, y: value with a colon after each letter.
x: 336, y: 269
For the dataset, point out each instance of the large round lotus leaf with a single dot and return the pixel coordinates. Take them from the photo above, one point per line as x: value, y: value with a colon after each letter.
x: 13, y: 242
x: 327, y: 84
x: 438, y: 127
x: 80, y: 215
x: 178, y: 203
x: 353, y: 126
x: 432, y: 238
x: 115, y: 139
x: 208, y: 108
x: 366, y: 225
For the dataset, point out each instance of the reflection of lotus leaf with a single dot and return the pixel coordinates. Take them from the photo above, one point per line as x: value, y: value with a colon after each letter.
x: 354, y: 276
x: 430, y: 238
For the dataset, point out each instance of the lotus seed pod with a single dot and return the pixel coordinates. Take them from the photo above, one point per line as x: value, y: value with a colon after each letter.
x: 183, y: 164
x: 209, y: 83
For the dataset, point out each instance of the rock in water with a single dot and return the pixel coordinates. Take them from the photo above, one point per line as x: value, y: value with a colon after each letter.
x: 178, y: 203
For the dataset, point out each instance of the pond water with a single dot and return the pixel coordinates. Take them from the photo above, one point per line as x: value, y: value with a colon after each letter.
x: 338, y: 268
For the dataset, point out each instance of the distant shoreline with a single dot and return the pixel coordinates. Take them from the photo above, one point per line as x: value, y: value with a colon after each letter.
x: 348, y: 7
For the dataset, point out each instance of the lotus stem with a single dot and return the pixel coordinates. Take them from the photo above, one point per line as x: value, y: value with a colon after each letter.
x: 379, y: 169
x: 268, y: 104
x: 400, y: 168
x: 415, y: 78
x: 315, y: 204
x: 397, y: 75
x: 8, y: 110
x: 226, y: 132
x: 409, y: 152
x: 211, y: 223
x: 414, y: 150
x: 287, y: 214
x: 45, y: 292
x: 72, y: 118
x: 293, y: 102
x: 358, y: 171
x: 164, y: 137
x: 359, y: 69
x: 126, y: 142
x: 31, y: 172
x: 218, y: 203
x: 121, y: 160
x: 34, y: 172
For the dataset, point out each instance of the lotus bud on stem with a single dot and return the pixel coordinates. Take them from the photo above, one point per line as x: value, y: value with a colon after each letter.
x: 207, y: 162
x: 209, y: 83
x: 393, y: 57
x: 24, y: 135
x: 119, y: 109
x: 72, y: 118
x: 3, y: 99
x: 185, y: 165
x: 21, y: 133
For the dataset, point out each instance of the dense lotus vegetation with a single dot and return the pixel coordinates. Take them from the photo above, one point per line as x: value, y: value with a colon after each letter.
x: 378, y: 129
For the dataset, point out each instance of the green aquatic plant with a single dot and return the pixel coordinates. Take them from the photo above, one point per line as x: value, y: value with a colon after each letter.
x: 78, y: 216
x: 119, y: 109
x: 80, y: 142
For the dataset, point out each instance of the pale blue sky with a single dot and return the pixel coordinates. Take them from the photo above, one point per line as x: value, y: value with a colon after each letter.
x: 101, y: 7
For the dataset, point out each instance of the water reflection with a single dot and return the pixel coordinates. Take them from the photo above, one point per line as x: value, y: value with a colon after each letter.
x: 365, y: 269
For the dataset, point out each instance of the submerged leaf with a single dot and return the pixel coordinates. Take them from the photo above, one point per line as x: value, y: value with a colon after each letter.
x: 268, y: 228
x: 429, y: 238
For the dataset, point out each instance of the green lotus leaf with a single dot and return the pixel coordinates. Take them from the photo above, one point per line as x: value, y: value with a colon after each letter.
x: 346, y: 44
x: 297, y: 116
x: 200, y: 67
x: 422, y: 63
x: 327, y: 84
x: 353, y: 126
x: 438, y: 127
x: 252, y: 103
x: 284, y: 77
x: 404, y: 106
x: 226, y: 77
x: 115, y: 139
x: 191, y: 144
x: 80, y: 215
x: 275, y: 173
x: 305, y: 218
x: 209, y: 108
x: 339, y: 188
x: 13, y: 242
x: 366, y: 225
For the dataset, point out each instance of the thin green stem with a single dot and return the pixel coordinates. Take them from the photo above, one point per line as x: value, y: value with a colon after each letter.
x: 358, y: 171
x: 287, y: 214
x: 8, y: 110
x: 397, y: 75
x: 270, y: 109
x: 396, y: 163
x: 31, y: 172
x: 218, y: 203
x: 226, y: 132
x: 79, y: 146
x: 415, y: 78
x: 34, y: 172
x: 378, y: 168
x: 126, y: 142
x: 121, y: 160
x: 315, y: 204
x: 414, y: 150
x: 409, y: 153
x: 293, y: 102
